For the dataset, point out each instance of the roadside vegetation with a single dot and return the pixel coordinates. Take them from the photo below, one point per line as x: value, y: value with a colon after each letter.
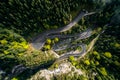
x: 22, y: 20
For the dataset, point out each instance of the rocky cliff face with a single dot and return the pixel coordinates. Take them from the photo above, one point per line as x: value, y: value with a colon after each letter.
x: 62, y: 69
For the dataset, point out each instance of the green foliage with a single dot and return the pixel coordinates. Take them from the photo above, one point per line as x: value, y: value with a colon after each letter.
x: 105, y: 64
x: 48, y: 41
x: 73, y: 61
x: 81, y: 77
x: 98, y: 57
x: 69, y: 76
x: 95, y: 53
x: 47, y: 47
x: 108, y: 54
x: 97, y: 63
x: 56, y: 39
x: 30, y: 16
x: 14, y: 78
x: 87, y: 62
x: 71, y: 58
x: 103, y: 71
x: 117, y: 45
x: 56, y: 65
x: 12, y: 46
x: 117, y: 63
x: 35, y: 58
x: 12, y: 43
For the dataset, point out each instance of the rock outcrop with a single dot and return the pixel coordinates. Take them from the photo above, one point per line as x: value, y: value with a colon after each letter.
x: 62, y: 69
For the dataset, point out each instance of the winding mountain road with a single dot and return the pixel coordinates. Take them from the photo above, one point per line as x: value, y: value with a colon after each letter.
x: 39, y: 41
x: 69, y: 39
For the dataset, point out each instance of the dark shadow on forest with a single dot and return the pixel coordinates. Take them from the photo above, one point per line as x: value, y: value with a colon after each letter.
x: 32, y: 71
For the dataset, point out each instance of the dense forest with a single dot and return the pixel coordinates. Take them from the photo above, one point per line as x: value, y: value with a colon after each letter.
x: 23, y: 23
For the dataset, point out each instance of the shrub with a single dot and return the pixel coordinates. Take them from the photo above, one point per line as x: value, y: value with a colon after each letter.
x: 108, y: 54
x: 98, y: 57
x: 87, y: 62
x: 103, y: 71
x: 82, y: 77
x: 47, y: 47
x: 3, y: 42
x: 117, y: 63
x: 92, y: 62
x: 48, y: 41
x: 14, y: 78
x: 95, y: 53
x: 56, y: 39
x: 96, y: 63
x: 56, y: 65
x: 71, y: 58
x: 117, y: 45
x: 74, y: 63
